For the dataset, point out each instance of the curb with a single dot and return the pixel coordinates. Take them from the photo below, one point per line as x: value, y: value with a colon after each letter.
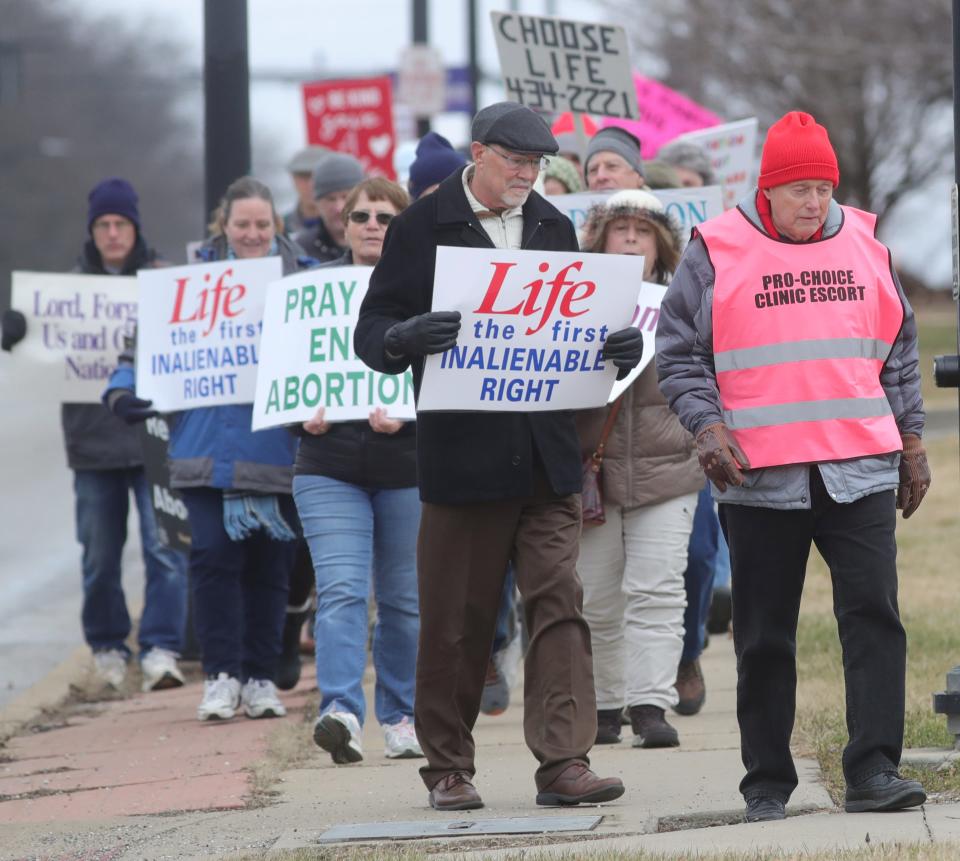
x: 47, y: 693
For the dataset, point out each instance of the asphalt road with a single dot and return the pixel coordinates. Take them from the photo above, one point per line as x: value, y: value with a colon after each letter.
x: 40, y: 580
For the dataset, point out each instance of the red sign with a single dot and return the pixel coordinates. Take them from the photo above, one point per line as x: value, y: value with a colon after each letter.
x: 353, y: 116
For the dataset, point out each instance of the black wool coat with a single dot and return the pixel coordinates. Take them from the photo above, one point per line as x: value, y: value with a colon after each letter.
x: 465, y: 457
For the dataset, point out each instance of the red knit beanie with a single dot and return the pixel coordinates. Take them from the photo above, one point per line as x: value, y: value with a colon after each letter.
x: 797, y: 147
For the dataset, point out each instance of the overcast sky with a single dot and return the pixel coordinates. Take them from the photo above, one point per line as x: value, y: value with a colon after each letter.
x: 324, y: 37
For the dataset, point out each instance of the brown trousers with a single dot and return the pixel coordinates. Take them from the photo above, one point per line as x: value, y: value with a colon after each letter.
x: 462, y: 558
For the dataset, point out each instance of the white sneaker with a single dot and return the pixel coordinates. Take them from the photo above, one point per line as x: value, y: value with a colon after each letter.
x: 401, y: 740
x: 160, y: 670
x: 338, y: 733
x: 111, y: 667
x: 259, y: 699
x: 221, y: 698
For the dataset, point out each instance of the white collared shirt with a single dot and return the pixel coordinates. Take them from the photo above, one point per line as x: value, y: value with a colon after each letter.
x: 506, y: 229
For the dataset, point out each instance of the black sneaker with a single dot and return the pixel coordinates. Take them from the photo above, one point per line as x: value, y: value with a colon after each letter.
x: 764, y: 809
x: 608, y: 726
x: 288, y: 668
x: 650, y: 728
x: 884, y: 791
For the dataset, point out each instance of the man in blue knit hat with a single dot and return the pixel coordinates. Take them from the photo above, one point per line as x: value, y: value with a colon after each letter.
x: 105, y: 455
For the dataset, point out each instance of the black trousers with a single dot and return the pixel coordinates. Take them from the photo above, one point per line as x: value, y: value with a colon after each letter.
x: 768, y: 557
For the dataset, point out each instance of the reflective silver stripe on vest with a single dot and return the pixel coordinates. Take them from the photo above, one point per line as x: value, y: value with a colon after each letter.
x: 807, y: 411
x: 801, y: 351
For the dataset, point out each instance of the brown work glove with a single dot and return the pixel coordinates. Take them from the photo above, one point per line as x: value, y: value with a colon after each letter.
x: 720, y: 457
x: 914, y: 474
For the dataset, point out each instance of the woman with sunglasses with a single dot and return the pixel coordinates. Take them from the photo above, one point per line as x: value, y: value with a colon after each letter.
x: 355, y: 486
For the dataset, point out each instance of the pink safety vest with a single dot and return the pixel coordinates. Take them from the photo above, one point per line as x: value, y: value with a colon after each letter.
x: 800, y: 334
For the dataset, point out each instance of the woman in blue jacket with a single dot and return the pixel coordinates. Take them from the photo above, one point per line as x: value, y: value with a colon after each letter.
x: 237, y: 487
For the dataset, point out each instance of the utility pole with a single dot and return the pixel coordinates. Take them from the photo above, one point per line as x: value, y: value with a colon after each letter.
x: 473, y: 60
x: 226, y: 92
x: 421, y: 36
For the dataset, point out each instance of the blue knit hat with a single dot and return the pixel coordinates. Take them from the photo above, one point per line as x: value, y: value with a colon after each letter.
x: 436, y: 160
x: 113, y: 196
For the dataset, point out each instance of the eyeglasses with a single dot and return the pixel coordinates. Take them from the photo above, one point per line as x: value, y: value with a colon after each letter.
x: 516, y: 163
x: 361, y: 216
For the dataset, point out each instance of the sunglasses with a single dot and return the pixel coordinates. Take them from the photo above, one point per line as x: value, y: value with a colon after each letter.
x: 361, y: 216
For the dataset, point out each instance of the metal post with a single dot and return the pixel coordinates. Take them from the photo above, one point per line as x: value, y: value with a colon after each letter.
x: 421, y: 36
x: 946, y: 369
x: 226, y: 90
x: 473, y: 60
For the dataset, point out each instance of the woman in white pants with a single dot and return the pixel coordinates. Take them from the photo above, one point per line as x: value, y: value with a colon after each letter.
x: 632, y: 565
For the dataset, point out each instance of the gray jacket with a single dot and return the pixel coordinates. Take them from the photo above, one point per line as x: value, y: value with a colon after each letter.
x: 688, y: 381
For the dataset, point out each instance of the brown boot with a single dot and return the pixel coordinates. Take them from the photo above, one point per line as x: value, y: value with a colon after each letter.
x: 608, y: 726
x: 690, y: 688
x: 650, y: 728
x: 577, y: 784
x: 455, y: 791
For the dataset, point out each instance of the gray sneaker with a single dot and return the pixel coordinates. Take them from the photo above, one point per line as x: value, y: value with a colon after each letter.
x: 111, y: 667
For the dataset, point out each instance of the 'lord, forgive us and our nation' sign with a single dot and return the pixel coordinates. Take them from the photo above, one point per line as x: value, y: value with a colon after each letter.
x: 307, y: 359
x: 198, y: 339
x: 532, y: 329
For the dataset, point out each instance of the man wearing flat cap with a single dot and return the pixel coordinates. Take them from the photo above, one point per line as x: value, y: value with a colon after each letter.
x: 496, y: 487
x: 787, y: 347
x: 306, y: 213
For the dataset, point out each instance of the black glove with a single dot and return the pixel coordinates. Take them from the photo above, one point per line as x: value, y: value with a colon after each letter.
x: 132, y: 409
x: 14, y: 328
x: 624, y: 348
x: 424, y: 334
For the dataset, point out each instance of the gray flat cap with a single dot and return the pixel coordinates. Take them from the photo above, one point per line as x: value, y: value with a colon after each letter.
x: 690, y: 156
x: 515, y: 127
x: 617, y: 140
x: 336, y: 171
x: 307, y: 159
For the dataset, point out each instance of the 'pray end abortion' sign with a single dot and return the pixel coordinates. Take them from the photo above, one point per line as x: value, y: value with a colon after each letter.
x: 532, y: 331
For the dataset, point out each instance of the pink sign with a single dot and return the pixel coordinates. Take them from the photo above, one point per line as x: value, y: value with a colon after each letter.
x: 664, y: 114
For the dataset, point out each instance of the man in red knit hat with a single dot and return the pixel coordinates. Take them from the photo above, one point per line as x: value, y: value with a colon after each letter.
x: 787, y: 348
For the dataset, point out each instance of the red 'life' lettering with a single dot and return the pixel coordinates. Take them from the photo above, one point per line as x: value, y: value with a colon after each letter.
x: 210, y: 302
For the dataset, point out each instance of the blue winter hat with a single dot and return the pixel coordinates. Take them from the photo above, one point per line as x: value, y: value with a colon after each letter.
x: 436, y: 160
x: 113, y: 196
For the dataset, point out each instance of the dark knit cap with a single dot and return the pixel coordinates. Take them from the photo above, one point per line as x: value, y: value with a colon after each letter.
x: 515, y: 127
x: 337, y: 171
x: 113, y: 196
x: 617, y: 140
x: 436, y: 160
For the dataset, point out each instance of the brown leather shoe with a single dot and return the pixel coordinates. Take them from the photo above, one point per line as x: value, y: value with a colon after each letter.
x: 690, y: 688
x: 577, y: 784
x: 455, y: 792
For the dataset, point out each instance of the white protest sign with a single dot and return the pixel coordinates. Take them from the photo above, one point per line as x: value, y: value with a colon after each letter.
x: 731, y: 149
x: 556, y: 65
x: 645, y: 318
x: 690, y: 206
x: 532, y: 329
x: 306, y: 353
x: 199, y: 332
x: 75, y: 330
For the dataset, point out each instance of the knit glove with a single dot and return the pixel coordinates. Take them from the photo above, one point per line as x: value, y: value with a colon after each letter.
x: 624, y: 349
x: 245, y: 513
x: 914, y: 474
x: 132, y: 409
x: 423, y: 335
x: 14, y: 328
x: 720, y: 457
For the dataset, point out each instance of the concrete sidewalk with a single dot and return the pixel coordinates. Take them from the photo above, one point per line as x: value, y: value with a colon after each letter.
x: 141, y: 778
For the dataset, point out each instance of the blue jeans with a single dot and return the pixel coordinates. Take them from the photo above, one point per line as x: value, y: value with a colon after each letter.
x: 353, y: 531
x: 102, y: 505
x: 239, y: 589
x: 698, y: 578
